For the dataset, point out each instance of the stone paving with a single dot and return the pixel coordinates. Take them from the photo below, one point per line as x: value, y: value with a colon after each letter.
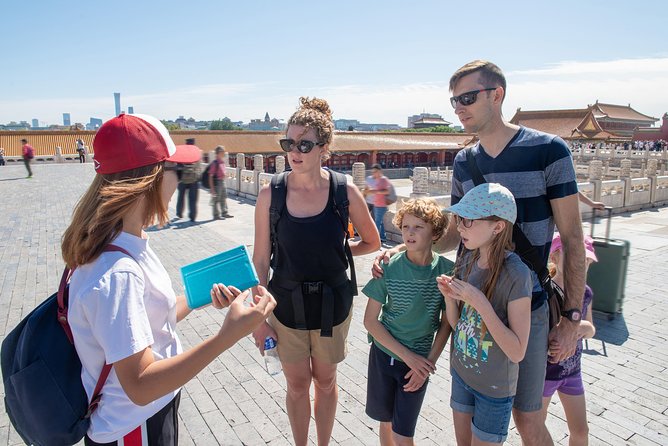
x: 234, y: 401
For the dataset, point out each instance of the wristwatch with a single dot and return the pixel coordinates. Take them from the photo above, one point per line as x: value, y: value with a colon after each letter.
x: 574, y: 314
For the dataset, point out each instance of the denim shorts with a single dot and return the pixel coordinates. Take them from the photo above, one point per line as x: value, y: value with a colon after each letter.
x: 571, y: 385
x: 386, y: 400
x: 491, y: 416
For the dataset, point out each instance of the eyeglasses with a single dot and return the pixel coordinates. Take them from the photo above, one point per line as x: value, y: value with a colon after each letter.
x: 468, y: 222
x: 304, y: 146
x: 468, y: 98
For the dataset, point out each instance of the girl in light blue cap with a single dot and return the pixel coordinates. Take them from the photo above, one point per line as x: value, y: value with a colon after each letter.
x: 488, y: 304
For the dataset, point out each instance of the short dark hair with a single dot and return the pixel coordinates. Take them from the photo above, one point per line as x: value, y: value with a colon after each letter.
x: 220, y: 149
x: 376, y: 166
x: 490, y: 73
x: 24, y: 140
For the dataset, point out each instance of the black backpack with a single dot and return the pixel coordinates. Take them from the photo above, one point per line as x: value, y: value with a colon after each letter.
x: 44, y: 397
x: 279, y: 193
x: 204, y: 179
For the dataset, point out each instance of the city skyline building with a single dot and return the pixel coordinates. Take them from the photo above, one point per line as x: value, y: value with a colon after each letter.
x: 117, y: 104
x: 131, y: 110
x: 94, y: 124
x: 67, y: 119
x: 35, y: 122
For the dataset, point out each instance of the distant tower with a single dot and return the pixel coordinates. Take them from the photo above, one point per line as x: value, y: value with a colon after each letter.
x: 66, y: 119
x: 117, y: 103
x: 35, y: 122
x: 131, y: 110
x: 266, y: 117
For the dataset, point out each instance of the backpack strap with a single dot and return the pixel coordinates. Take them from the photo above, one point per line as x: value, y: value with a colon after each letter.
x: 523, y: 246
x: 341, y: 209
x: 63, y: 305
x: 279, y: 193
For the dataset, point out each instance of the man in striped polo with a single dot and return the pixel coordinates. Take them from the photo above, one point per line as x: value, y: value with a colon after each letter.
x: 538, y: 170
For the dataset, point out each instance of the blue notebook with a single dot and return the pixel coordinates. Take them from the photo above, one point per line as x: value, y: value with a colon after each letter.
x: 232, y: 267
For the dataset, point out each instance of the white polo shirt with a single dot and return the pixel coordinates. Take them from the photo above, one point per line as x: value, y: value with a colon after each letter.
x: 118, y: 307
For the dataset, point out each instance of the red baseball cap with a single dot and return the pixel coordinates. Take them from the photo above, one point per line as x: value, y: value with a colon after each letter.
x: 130, y: 141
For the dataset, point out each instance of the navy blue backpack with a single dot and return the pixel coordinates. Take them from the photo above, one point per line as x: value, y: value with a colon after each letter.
x: 44, y: 396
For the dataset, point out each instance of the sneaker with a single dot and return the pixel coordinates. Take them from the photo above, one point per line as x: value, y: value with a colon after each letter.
x: 228, y: 215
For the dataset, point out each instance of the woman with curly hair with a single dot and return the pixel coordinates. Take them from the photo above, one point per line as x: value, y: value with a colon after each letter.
x: 307, y: 255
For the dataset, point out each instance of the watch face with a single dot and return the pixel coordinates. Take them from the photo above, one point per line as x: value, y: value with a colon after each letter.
x: 574, y: 315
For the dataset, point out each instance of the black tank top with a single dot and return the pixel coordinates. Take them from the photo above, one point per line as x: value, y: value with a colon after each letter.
x: 310, y: 249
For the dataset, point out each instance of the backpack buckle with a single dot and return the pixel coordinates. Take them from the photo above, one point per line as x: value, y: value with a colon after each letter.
x: 93, y: 405
x: 311, y: 287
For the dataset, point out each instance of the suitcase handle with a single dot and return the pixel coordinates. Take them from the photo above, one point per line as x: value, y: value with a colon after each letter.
x: 593, y: 222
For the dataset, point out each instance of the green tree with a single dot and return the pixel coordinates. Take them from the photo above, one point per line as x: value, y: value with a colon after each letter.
x: 223, y: 124
x: 170, y: 125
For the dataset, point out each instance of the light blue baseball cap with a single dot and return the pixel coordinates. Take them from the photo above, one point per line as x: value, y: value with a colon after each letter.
x: 485, y: 200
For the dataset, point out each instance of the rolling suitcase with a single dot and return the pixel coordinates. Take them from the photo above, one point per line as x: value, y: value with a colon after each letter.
x: 607, y: 277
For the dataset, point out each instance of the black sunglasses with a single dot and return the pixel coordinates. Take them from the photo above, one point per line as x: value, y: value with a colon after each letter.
x: 468, y: 98
x: 304, y: 146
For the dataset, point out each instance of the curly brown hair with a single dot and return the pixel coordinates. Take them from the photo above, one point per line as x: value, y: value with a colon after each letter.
x: 315, y: 114
x: 427, y: 210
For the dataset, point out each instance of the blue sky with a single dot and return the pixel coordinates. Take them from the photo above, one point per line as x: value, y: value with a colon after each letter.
x: 376, y: 61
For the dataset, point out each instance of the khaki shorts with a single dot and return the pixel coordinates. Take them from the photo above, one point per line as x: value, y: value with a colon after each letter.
x: 296, y: 345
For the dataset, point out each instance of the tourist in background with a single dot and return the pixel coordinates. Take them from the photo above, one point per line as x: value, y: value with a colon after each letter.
x: 189, y: 175
x: 380, y: 189
x: 309, y: 260
x: 81, y: 150
x: 2, y: 156
x: 28, y: 154
x: 370, y: 184
x: 217, y: 186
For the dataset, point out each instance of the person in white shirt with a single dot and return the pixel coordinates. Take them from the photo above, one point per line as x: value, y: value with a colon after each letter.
x: 122, y: 308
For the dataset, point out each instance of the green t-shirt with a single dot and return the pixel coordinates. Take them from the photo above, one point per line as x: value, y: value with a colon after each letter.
x: 412, y: 303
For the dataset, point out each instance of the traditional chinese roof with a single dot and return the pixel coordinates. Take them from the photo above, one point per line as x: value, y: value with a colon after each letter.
x: 620, y: 113
x: 569, y: 124
x: 431, y: 122
x: 583, y: 123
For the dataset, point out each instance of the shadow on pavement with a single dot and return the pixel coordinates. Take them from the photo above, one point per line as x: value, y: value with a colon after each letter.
x: 613, y: 331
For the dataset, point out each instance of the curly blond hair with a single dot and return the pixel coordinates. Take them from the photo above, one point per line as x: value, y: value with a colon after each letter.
x: 315, y: 114
x: 427, y: 210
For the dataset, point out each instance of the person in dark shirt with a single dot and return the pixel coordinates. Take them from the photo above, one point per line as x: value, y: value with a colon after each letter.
x: 309, y: 262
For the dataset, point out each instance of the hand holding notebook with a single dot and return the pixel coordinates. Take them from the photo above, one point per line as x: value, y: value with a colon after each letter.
x: 232, y: 268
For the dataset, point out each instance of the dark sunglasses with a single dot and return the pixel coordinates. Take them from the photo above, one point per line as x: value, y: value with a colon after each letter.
x: 468, y: 98
x: 172, y: 167
x: 304, y: 146
x: 468, y: 222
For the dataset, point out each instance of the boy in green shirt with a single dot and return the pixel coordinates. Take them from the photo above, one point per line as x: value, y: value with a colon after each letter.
x: 404, y: 350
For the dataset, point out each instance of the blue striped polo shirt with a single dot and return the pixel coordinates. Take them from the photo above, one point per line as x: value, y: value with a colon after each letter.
x: 536, y: 167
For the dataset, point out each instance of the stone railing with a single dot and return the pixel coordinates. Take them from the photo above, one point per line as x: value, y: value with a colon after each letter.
x: 623, y: 195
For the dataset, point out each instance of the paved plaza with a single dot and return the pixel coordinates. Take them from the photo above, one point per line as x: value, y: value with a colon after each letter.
x: 234, y: 401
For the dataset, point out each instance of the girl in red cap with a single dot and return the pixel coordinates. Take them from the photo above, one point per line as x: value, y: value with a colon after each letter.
x: 122, y: 308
